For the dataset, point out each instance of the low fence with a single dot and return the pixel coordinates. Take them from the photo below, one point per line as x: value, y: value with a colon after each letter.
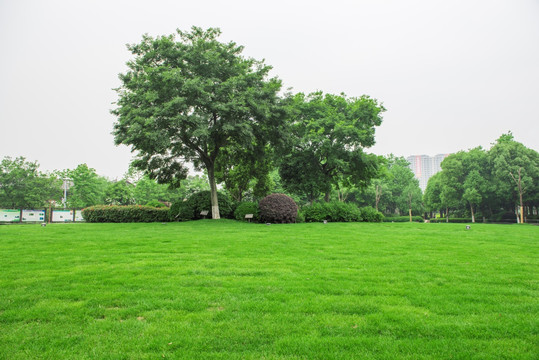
x: 40, y: 215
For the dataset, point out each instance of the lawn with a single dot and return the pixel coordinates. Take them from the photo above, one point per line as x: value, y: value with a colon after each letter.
x: 229, y: 290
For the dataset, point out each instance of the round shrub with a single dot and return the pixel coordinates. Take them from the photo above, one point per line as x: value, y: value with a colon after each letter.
x: 245, y: 208
x: 181, y: 211
x: 278, y: 208
x: 370, y: 214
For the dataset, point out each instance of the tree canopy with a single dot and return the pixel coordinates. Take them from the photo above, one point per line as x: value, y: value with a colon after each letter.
x: 187, y: 96
x: 328, y: 134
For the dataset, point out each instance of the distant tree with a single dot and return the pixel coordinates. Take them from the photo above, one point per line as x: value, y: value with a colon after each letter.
x: 328, y: 134
x: 185, y: 100
x: 23, y: 186
x: 516, y: 169
x: 119, y: 193
x: 431, y: 197
x: 88, y: 187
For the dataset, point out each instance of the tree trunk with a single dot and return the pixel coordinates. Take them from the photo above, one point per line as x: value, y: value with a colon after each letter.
x: 446, y: 215
x: 473, y: 217
x: 326, y: 196
x: 410, y: 212
x: 213, y: 190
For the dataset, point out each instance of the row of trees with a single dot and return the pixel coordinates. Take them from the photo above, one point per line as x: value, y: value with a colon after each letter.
x: 22, y: 185
x: 487, y: 183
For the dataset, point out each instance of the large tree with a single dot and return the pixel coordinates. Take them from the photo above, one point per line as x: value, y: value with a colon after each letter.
x: 186, y: 97
x: 328, y: 135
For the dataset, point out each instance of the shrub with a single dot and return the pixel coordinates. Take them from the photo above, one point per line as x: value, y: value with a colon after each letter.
x: 451, y: 220
x: 370, y: 214
x: 180, y: 211
x: 332, y: 211
x: 403, y: 219
x: 198, y: 202
x: 125, y: 214
x: 245, y: 208
x: 278, y: 208
x: 156, y: 203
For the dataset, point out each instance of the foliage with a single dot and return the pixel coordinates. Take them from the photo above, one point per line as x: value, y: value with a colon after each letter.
x: 328, y: 134
x: 119, y: 193
x: 394, y: 190
x: 278, y: 208
x: 147, y: 189
x: 370, y: 214
x: 124, y: 214
x: 23, y: 186
x: 185, y: 99
x: 181, y: 211
x: 88, y: 188
x: 485, y: 182
x: 332, y: 211
x: 452, y: 220
x: 245, y: 208
x: 156, y: 204
x: 403, y: 219
x: 198, y: 202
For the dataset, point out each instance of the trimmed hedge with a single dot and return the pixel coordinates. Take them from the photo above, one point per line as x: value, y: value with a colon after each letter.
x: 453, y: 220
x: 245, y: 208
x: 125, y: 214
x: 278, y: 208
x: 340, y: 212
x: 332, y: 211
x: 403, y: 219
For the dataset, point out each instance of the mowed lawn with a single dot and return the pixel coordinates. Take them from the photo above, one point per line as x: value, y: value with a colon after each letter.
x: 229, y: 290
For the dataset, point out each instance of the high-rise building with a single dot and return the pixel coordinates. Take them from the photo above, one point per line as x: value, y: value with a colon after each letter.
x: 425, y: 166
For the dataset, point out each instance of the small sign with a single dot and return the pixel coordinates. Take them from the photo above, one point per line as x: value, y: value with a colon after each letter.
x: 248, y: 216
x: 204, y: 212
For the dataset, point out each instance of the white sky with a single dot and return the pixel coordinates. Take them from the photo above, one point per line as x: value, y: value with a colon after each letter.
x: 452, y: 74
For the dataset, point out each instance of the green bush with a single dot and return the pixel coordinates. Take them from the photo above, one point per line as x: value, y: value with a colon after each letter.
x: 156, y: 203
x: 370, y: 214
x: 181, y: 211
x: 245, y: 208
x: 124, y: 214
x: 278, y: 208
x: 403, y: 219
x: 332, y: 211
x: 201, y: 201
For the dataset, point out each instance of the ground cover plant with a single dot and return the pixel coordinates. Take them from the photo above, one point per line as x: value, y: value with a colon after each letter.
x: 234, y: 290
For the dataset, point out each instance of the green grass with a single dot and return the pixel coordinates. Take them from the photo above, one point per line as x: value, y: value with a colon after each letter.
x: 229, y: 290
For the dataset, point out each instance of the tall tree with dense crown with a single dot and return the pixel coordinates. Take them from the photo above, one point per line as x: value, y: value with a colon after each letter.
x: 187, y: 96
x: 328, y: 135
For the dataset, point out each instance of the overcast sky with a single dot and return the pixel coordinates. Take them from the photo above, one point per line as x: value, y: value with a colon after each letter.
x: 452, y: 74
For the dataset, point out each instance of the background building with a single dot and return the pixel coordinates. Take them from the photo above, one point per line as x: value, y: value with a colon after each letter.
x: 425, y: 166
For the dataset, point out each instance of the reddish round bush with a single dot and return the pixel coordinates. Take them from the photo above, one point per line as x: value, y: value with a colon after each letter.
x: 278, y: 208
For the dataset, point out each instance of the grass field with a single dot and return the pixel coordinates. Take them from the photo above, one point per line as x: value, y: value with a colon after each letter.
x: 229, y: 290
